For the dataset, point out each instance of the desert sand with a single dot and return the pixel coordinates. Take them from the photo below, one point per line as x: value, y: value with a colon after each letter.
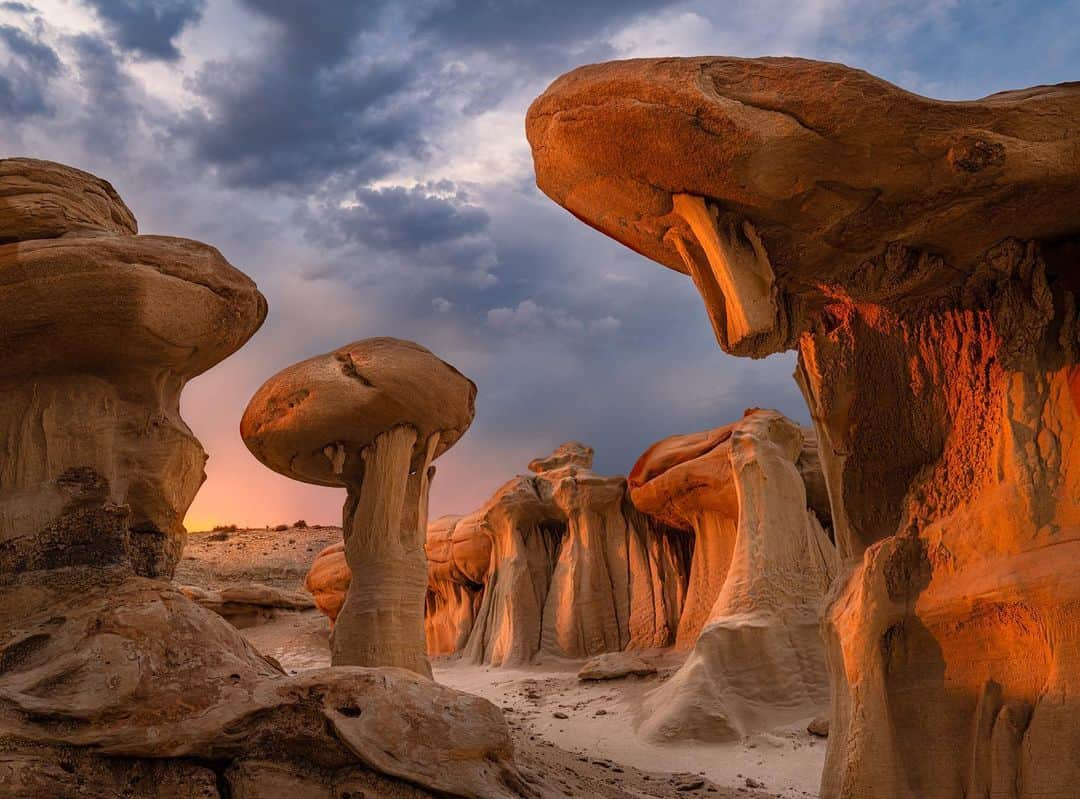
x: 593, y: 751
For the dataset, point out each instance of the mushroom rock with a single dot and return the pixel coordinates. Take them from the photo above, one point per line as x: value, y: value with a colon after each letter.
x: 370, y: 417
x: 557, y: 562
x: 922, y: 257
x: 762, y: 564
x: 112, y: 681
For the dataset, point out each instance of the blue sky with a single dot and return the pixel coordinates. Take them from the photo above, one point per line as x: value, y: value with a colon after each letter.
x: 366, y: 163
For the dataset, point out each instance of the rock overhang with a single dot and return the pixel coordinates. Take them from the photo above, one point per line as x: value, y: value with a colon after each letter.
x: 780, y: 184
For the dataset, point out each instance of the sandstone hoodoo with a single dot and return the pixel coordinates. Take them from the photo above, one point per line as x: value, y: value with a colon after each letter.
x: 112, y: 681
x: 922, y: 257
x: 557, y: 562
x: 752, y: 494
x: 370, y: 417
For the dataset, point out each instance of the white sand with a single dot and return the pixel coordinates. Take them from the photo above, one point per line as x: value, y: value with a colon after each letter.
x: 787, y: 762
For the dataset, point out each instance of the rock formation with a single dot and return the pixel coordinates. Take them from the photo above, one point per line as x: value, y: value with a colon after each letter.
x: 751, y: 492
x: 328, y: 580
x: 112, y: 682
x: 370, y: 417
x: 557, y: 562
x: 246, y: 606
x: 922, y: 257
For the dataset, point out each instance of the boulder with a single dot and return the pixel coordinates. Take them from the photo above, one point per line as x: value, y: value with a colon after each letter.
x: 615, y: 666
x: 247, y: 605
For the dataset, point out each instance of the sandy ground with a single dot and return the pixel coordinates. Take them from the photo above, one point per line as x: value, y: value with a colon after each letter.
x: 589, y: 749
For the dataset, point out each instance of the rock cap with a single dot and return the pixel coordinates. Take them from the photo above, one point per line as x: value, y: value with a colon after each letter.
x: 311, y: 420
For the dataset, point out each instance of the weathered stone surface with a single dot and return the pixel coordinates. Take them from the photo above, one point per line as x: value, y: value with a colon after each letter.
x: 112, y: 681
x: 371, y: 417
x: 99, y: 338
x: 46, y: 200
x: 247, y: 605
x: 615, y: 666
x: 762, y: 565
x: 557, y: 562
x: 923, y: 258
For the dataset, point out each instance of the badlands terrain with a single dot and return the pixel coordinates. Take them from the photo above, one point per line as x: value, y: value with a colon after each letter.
x: 580, y: 732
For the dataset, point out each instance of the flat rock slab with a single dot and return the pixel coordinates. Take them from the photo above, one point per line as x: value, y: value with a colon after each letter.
x: 615, y: 666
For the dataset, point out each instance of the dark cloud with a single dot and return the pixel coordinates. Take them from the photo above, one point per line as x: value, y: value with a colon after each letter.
x: 530, y: 29
x: 398, y: 218
x: 108, y: 112
x: 25, y: 78
x: 432, y: 227
x: 353, y: 90
x: 18, y: 8
x: 309, y: 105
x: 148, y: 28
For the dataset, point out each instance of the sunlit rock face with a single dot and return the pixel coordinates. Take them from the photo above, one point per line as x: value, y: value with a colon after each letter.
x: 112, y: 681
x: 370, y: 417
x: 762, y: 565
x: 557, y: 562
x: 922, y: 257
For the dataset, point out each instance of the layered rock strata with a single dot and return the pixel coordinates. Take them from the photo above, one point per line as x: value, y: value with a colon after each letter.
x: 112, y: 681
x: 922, y: 257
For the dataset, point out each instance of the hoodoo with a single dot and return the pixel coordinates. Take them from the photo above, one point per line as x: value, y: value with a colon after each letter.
x: 112, y: 681
x: 923, y: 258
x: 370, y: 417
x: 752, y: 494
x: 557, y: 562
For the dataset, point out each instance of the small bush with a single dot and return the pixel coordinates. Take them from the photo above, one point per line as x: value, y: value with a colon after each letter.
x: 281, y: 528
x: 300, y: 524
x: 225, y: 528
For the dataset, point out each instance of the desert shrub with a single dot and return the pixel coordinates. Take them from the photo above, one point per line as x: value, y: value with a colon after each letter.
x: 300, y: 524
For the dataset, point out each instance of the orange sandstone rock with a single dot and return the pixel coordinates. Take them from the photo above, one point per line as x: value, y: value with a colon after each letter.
x: 922, y: 256
x: 557, y: 562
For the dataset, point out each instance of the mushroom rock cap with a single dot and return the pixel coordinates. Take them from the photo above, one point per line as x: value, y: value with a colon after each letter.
x: 682, y: 476
x: 805, y: 173
x: 350, y: 396
x: 46, y: 200
x: 114, y: 305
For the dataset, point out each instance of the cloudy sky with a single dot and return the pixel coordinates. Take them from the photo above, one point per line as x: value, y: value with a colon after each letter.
x: 366, y: 164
